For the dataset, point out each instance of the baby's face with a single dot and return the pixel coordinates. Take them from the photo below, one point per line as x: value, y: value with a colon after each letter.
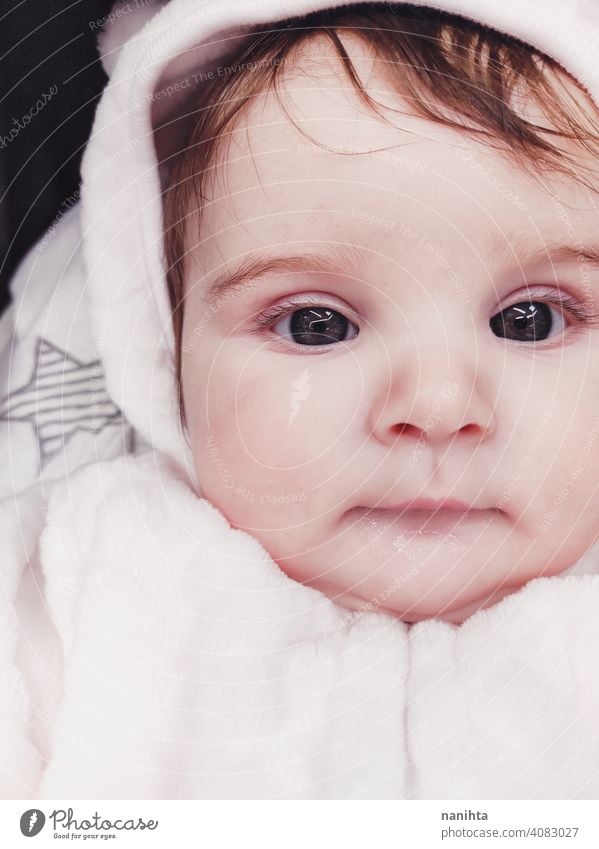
x: 408, y: 363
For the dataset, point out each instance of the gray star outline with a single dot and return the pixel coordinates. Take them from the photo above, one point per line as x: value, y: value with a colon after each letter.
x: 63, y: 395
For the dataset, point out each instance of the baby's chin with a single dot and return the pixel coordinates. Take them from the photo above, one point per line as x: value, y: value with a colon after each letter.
x: 454, y: 615
x: 458, y: 615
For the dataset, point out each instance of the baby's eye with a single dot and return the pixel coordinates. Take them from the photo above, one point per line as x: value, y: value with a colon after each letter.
x: 315, y: 325
x: 528, y: 321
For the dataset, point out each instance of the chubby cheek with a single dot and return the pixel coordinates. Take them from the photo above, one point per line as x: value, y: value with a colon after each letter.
x: 271, y: 435
x: 568, y: 512
x: 554, y: 484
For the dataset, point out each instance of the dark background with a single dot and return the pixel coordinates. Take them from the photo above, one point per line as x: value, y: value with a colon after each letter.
x: 43, y: 43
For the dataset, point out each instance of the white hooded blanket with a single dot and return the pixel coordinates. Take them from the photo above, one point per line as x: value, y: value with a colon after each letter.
x: 148, y: 649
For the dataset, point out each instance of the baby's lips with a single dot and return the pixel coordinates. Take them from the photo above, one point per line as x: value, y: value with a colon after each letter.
x: 445, y: 503
x: 461, y: 522
x: 431, y: 504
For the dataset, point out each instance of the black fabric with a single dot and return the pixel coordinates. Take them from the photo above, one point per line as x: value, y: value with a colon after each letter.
x: 50, y: 81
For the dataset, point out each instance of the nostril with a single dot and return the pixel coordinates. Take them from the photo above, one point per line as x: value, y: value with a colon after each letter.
x: 470, y: 428
x: 407, y: 428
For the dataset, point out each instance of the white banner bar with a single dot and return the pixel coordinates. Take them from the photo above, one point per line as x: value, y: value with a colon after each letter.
x: 301, y: 824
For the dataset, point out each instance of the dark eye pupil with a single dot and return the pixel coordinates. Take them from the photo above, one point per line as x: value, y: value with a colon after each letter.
x: 524, y: 322
x: 318, y: 326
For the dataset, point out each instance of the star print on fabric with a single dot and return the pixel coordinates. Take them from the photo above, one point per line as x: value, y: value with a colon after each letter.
x: 63, y: 395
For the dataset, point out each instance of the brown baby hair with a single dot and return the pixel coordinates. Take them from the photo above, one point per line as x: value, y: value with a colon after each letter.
x: 452, y: 71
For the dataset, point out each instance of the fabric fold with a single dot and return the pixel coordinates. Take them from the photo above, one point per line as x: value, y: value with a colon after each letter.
x: 505, y: 706
x: 196, y: 667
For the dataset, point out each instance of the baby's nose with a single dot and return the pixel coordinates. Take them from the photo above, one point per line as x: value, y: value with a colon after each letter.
x: 433, y: 393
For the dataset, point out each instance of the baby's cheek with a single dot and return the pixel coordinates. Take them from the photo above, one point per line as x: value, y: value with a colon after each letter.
x: 572, y: 481
x: 275, y: 436
x: 552, y: 486
x: 295, y: 417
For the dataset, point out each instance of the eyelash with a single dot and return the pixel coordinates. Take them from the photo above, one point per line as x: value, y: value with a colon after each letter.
x: 266, y: 319
x: 581, y: 313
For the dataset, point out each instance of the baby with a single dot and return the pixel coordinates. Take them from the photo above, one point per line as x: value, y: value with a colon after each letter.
x: 332, y: 279
x: 381, y: 265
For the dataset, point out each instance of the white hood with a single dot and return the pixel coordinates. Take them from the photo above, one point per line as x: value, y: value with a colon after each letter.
x: 146, y: 48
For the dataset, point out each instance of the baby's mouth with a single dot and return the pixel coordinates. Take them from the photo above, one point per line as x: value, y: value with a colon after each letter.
x: 455, y: 519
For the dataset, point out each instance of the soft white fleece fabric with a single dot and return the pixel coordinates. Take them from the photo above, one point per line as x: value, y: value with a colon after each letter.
x: 149, y: 650
x: 155, y: 652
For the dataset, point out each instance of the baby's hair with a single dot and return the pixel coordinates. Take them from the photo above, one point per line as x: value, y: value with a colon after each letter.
x: 451, y: 70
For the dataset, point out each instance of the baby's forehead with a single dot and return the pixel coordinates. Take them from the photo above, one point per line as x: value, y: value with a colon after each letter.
x: 425, y: 229
x: 314, y: 100
x: 310, y: 160
x: 316, y: 103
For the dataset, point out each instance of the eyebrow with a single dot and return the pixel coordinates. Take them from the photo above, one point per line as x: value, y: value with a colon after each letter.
x: 335, y: 258
x: 347, y: 257
x: 552, y: 253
